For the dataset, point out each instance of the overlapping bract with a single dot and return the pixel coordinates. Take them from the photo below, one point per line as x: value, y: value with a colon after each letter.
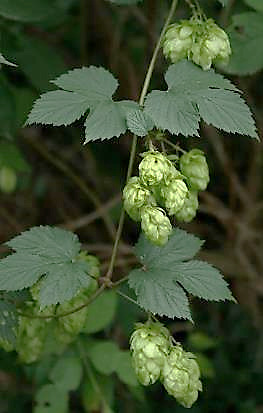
x: 159, y: 187
x: 156, y: 358
x: 199, y: 40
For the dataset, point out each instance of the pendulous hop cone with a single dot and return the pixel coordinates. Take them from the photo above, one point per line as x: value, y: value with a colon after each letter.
x: 155, y: 168
x: 198, y: 39
x: 181, y: 376
x: 189, y: 209
x: 174, y: 195
x: 194, y: 167
x: 156, y: 225
x: 136, y: 196
x: 149, y: 347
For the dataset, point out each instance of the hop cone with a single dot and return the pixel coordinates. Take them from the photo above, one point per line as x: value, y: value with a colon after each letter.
x: 31, y: 339
x: 6, y: 345
x: 188, y: 211
x: 74, y: 323
x: 180, y: 376
x: 155, y: 168
x: 178, y: 41
x: 149, y: 347
x: 174, y: 195
x: 94, y: 264
x: 156, y: 225
x: 194, y: 166
x: 212, y: 44
x: 135, y: 196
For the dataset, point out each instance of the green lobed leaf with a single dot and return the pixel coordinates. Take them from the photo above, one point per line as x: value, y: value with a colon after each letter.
x: 8, y: 321
x: 67, y: 373
x: 96, y: 83
x: 246, y: 34
x: 105, y: 121
x: 192, y: 93
x: 158, y: 293
x: 58, y: 108
x: 139, y: 123
x: 89, y: 88
x: 158, y: 284
x: 49, y: 252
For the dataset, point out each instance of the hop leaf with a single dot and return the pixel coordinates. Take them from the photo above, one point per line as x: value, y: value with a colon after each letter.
x: 149, y: 347
x: 156, y: 225
x: 180, y: 376
x: 194, y: 166
x: 188, y: 211
x: 135, y: 196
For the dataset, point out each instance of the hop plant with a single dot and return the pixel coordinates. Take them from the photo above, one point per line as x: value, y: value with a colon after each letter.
x: 178, y: 41
x: 189, y: 209
x: 136, y: 196
x: 181, y: 376
x: 174, y: 195
x: 94, y: 264
x: 30, y: 339
x: 74, y: 323
x: 156, y: 225
x: 194, y: 167
x: 202, y: 41
x: 8, y: 180
x: 149, y: 348
x: 155, y: 168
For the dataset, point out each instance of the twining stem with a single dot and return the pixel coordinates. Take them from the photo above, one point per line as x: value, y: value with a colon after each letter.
x: 134, y: 141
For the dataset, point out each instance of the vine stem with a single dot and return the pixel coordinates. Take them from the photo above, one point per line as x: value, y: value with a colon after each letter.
x: 135, y: 138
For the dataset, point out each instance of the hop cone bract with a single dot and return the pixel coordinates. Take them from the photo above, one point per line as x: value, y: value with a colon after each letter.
x: 194, y: 166
x: 135, y: 196
x: 178, y: 40
x: 149, y: 347
x: 188, y: 211
x: 156, y: 225
x: 181, y: 376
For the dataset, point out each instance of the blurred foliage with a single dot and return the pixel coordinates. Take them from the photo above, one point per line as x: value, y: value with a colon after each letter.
x: 60, y: 182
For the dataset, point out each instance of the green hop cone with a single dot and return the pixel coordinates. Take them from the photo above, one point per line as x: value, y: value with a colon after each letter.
x: 194, y: 167
x: 178, y: 41
x: 74, y: 323
x: 181, y: 376
x: 174, y: 195
x: 156, y: 225
x: 30, y: 339
x: 149, y: 347
x: 94, y: 264
x: 8, y: 180
x: 136, y: 196
x: 155, y: 168
x: 211, y: 44
x: 189, y: 209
